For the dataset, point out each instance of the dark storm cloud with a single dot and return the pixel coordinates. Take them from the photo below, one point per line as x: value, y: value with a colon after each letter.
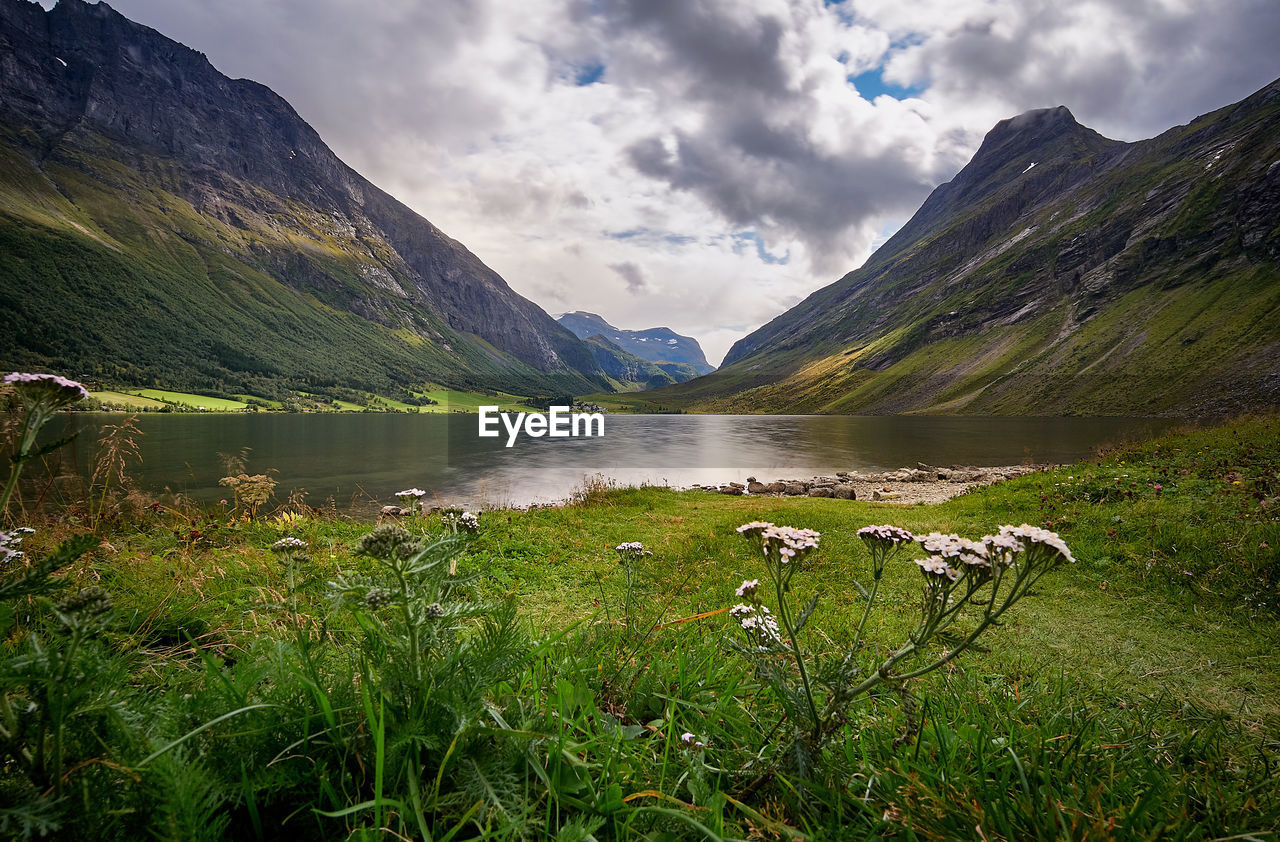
x: 1132, y: 69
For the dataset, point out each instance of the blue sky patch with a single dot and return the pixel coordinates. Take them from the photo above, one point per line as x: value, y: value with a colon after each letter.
x: 871, y: 84
x: 588, y: 74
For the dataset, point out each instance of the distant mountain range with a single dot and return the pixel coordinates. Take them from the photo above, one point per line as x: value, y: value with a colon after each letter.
x: 162, y: 223
x: 1058, y: 273
x: 658, y: 344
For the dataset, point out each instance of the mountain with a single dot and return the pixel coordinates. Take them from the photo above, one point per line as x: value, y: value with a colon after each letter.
x: 160, y: 222
x: 631, y: 373
x: 658, y: 344
x: 1058, y: 273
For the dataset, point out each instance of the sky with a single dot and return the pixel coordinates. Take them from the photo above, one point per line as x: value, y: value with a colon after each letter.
x: 706, y: 164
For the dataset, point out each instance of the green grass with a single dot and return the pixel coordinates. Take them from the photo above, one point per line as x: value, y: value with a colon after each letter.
x: 127, y: 400
x: 1133, y: 694
x: 197, y: 401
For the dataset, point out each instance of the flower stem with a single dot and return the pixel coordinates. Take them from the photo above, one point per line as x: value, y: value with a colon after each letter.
x: 785, y: 615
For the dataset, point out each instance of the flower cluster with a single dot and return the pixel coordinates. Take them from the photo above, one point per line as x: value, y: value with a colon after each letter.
x: 410, y: 496
x: 748, y: 588
x: 377, y: 598
x: 631, y: 551
x: 289, y: 545
x: 788, y: 543
x: 51, y: 389
x: 758, y: 622
x: 461, y: 521
x: 9, y: 542
x: 86, y: 603
x: 388, y: 541
x: 1035, y: 537
x: 893, y: 536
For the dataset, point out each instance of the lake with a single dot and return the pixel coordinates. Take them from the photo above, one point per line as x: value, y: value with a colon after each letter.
x: 361, y: 460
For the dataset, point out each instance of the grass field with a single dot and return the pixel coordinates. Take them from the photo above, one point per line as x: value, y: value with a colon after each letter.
x: 126, y: 400
x: 188, y: 399
x: 1132, y: 694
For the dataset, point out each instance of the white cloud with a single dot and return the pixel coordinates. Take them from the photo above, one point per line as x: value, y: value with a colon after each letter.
x: 721, y: 154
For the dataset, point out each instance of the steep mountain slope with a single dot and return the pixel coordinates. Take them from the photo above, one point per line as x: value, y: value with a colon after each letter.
x: 1058, y: 273
x: 631, y: 373
x: 159, y: 221
x: 658, y: 344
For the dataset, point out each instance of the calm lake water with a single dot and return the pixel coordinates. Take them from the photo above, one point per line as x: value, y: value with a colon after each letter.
x: 362, y: 460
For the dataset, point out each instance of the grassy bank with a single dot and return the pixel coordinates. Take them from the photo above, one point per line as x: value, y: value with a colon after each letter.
x: 429, y: 400
x: 231, y: 691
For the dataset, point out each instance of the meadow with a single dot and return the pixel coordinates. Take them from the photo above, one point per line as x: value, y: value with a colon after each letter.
x: 194, y: 673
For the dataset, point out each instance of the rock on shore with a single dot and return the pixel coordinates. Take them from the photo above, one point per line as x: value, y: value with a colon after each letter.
x: 923, y: 483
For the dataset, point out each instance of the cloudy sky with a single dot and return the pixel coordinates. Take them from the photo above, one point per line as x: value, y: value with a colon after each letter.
x: 705, y: 164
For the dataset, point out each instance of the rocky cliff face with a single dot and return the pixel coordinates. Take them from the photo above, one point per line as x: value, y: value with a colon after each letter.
x: 657, y: 344
x: 1058, y: 272
x: 95, y: 107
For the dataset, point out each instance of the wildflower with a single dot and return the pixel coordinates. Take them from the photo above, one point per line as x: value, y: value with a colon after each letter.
x: 1034, y: 536
x: 289, y: 545
x: 886, y: 534
x: 9, y: 542
x: 85, y: 603
x: 758, y: 622
x: 754, y: 526
x: 47, y: 389
x: 377, y: 598
x: 469, y: 522
x: 435, y: 610
x: 748, y: 588
x: 630, y: 551
x: 691, y: 740
x: 791, y: 543
x: 410, y: 497
x: 387, y: 541
x: 934, y: 566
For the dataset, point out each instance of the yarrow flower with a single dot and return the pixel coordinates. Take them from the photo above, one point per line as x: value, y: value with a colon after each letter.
x: 631, y: 550
x: 1035, y: 536
x: 57, y: 390
x: 791, y: 543
x: 953, y: 547
x: 9, y: 541
x: 387, y: 541
x: 935, y: 566
x: 893, y: 535
x: 85, y: 603
x: 377, y: 598
x: 411, y: 492
x: 758, y: 622
x: 289, y: 545
x: 748, y: 588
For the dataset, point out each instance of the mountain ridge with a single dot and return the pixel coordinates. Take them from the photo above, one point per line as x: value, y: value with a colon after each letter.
x: 655, y: 344
x: 120, y: 141
x: 1059, y: 272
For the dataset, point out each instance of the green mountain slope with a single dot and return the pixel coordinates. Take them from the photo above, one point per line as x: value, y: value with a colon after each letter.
x: 161, y: 223
x: 1058, y: 273
x: 632, y: 373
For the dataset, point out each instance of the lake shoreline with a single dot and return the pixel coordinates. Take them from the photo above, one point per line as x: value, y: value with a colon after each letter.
x: 924, y: 484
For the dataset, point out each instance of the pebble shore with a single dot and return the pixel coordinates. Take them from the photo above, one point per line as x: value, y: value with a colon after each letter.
x: 921, y: 484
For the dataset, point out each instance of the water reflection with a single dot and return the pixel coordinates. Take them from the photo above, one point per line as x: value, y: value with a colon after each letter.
x: 364, y: 459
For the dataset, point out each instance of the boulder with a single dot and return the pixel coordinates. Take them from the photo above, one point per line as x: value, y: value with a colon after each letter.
x: 776, y: 487
x: 756, y: 487
x: 795, y: 489
x: 844, y: 492
x: 820, y: 491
